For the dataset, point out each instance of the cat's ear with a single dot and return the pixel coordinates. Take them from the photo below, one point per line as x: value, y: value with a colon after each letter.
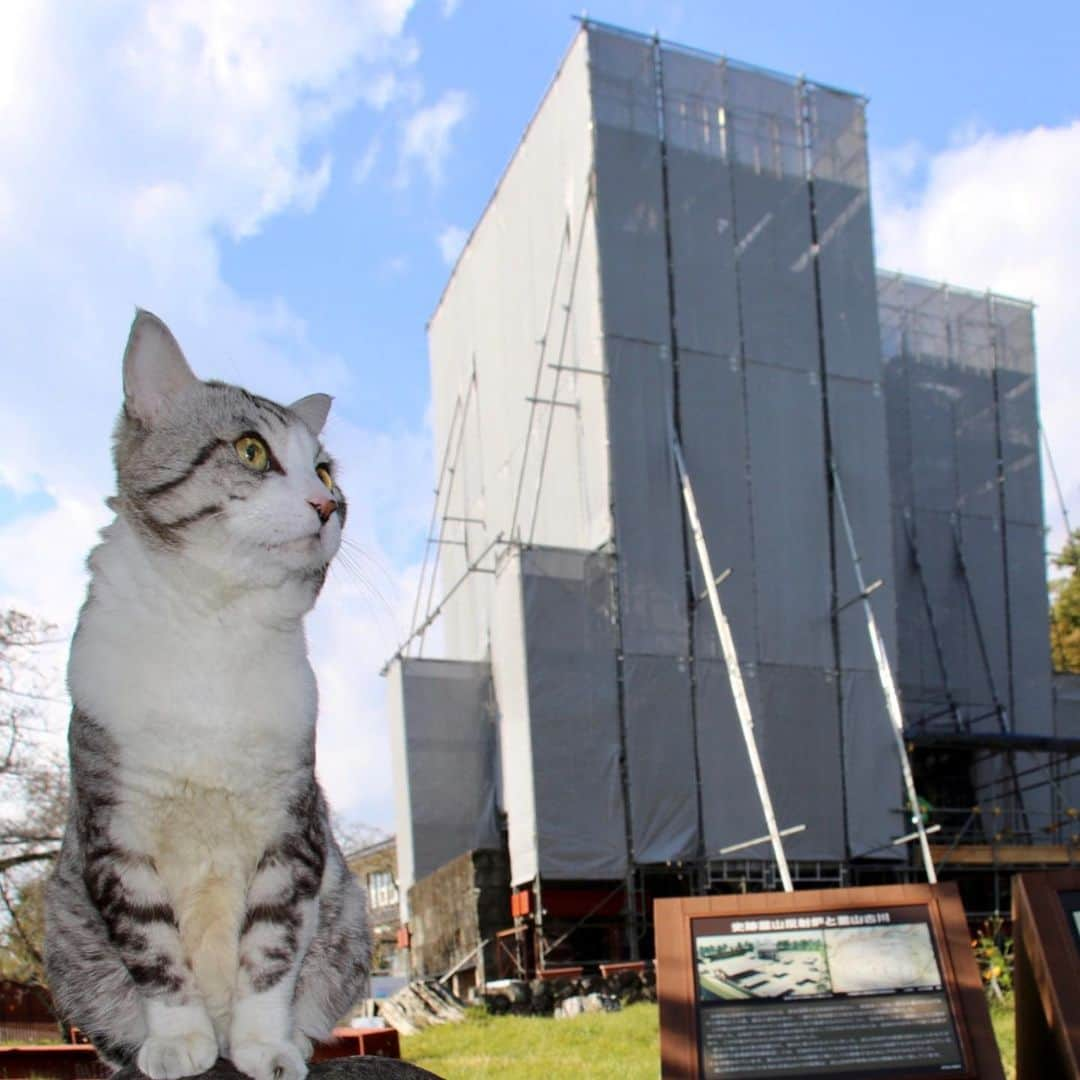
x: 154, y: 367
x: 312, y: 410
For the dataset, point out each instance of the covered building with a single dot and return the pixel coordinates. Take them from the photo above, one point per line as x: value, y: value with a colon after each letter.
x: 679, y: 258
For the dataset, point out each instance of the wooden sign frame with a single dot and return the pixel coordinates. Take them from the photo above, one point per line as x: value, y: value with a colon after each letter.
x: 938, y: 906
x: 1046, y: 979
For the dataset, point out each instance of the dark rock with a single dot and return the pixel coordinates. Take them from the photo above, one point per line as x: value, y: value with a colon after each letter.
x: 497, y: 1004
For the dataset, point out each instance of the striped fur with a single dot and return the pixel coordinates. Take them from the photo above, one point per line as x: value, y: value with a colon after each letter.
x: 200, y: 905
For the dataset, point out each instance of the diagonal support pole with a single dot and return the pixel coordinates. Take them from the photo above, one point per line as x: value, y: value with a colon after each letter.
x: 731, y: 659
x: 888, y: 685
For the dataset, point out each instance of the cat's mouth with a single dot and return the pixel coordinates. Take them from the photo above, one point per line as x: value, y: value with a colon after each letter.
x: 296, y: 544
x: 298, y: 541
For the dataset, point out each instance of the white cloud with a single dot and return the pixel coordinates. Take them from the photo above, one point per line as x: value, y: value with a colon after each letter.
x: 133, y: 136
x: 1000, y: 211
x: 363, y: 614
x: 426, y: 140
x: 451, y: 240
x: 365, y: 164
x: 42, y: 572
x: 449, y: 7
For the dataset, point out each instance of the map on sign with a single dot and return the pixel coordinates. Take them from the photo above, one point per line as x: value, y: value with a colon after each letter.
x: 880, y: 958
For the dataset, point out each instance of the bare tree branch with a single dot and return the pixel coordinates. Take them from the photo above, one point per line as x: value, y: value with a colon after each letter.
x: 35, y: 795
x: 32, y: 947
x: 27, y: 857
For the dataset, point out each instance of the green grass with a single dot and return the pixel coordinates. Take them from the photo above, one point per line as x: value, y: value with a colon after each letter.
x: 607, y: 1046
x: 1001, y: 1014
x: 599, y: 1046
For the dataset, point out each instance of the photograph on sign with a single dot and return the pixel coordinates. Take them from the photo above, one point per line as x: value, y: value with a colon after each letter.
x: 830, y: 992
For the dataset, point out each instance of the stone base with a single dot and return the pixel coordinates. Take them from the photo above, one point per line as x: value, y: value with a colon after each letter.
x: 345, y: 1068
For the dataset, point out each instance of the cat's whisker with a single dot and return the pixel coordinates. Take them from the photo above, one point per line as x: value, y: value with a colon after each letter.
x: 354, y: 555
x: 360, y: 552
x: 345, y: 566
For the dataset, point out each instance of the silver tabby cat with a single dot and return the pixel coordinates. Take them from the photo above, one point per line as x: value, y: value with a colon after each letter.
x: 200, y: 905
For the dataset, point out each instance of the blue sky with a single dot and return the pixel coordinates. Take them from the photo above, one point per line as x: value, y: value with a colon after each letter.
x: 935, y: 73
x: 287, y: 189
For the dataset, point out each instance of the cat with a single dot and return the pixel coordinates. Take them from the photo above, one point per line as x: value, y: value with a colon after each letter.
x: 200, y: 905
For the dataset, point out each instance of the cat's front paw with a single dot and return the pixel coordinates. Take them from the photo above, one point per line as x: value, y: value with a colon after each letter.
x: 168, y: 1057
x: 269, y: 1060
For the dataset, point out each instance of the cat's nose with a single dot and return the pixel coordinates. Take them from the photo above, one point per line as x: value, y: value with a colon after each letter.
x: 323, y: 507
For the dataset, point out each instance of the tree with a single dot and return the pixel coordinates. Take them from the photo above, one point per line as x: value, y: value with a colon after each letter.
x: 33, y: 794
x: 1065, y: 608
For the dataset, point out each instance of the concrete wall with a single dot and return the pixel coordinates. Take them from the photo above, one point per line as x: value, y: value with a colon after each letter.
x: 456, y: 908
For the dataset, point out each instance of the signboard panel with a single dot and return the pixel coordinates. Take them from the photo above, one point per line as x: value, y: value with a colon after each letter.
x: 1046, y: 983
x: 872, y: 982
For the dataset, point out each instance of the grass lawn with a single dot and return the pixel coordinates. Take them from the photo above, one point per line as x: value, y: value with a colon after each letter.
x: 601, y: 1046
x: 1001, y: 1013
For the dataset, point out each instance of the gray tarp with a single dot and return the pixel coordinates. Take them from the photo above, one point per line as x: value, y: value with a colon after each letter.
x: 857, y: 423
x: 871, y: 772
x: 790, y: 508
x: 442, y: 736
x: 959, y: 386
x: 842, y: 211
x: 713, y: 412
x: 776, y: 281
x: 700, y: 209
x: 553, y: 657
x: 647, y: 510
x: 660, y: 759
x: 629, y: 189
x: 730, y: 806
x: 798, y: 737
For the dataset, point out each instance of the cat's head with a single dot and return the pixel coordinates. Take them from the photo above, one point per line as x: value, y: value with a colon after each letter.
x: 232, y: 482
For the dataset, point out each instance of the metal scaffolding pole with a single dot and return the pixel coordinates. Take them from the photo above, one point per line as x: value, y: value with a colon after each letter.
x: 731, y: 659
x: 888, y: 685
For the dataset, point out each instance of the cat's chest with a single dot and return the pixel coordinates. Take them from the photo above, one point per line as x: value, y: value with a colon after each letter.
x: 194, y: 699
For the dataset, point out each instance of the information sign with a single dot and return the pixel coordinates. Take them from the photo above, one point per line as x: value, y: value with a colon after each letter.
x: 876, y: 982
x: 1046, y: 979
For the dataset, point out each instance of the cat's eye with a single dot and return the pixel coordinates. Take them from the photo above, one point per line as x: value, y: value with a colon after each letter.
x: 253, y: 452
x: 323, y: 472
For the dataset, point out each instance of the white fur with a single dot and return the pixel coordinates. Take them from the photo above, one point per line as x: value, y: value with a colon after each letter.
x: 154, y: 367
x: 181, y: 1042
x: 195, y: 662
x: 257, y: 1016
